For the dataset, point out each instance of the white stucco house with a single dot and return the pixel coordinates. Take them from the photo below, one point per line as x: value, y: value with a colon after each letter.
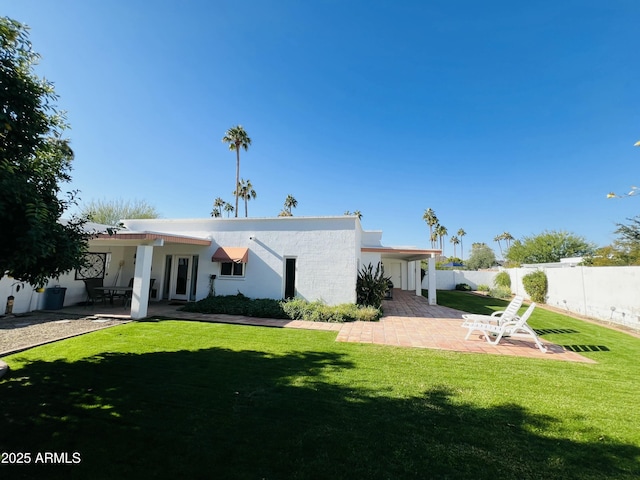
x: 315, y: 258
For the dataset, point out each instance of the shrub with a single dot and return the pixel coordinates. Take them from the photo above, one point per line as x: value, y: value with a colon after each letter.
x: 501, y: 292
x: 464, y: 287
x: 535, y: 284
x: 483, y: 288
x: 295, y: 309
x: 299, y: 309
x: 371, y: 287
x: 502, y: 279
x: 238, y: 305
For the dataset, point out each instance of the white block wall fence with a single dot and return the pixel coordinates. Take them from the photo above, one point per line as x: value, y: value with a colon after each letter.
x: 610, y: 294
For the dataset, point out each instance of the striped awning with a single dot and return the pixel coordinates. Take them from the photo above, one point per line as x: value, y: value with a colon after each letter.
x: 231, y: 254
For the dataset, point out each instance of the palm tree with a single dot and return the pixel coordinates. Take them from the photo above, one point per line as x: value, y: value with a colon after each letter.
x: 433, y: 238
x: 497, y: 238
x: 237, y: 138
x: 217, y: 204
x: 461, y: 233
x: 290, y: 203
x: 245, y: 191
x: 508, y: 238
x: 355, y: 213
x: 431, y: 219
x: 455, y: 240
x: 228, y: 208
x: 442, y: 232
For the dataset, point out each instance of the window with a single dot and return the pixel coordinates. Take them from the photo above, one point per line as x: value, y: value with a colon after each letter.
x: 231, y: 269
x: 95, y: 266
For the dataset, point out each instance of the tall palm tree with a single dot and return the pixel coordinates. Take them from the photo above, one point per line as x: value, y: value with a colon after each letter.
x: 442, y: 232
x: 246, y: 192
x: 217, y: 204
x: 455, y: 240
x: 356, y: 213
x: 461, y: 233
x: 497, y: 238
x: 237, y: 138
x: 431, y: 219
x: 433, y: 238
x: 228, y: 208
x: 290, y: 203
x: 508, y: 238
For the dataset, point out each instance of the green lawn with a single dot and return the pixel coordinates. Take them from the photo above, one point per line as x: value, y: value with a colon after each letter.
x: 176, y: 399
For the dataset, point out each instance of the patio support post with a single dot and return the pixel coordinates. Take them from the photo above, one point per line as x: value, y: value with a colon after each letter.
x: 141, y: 281
x: 418, y: 275
x: 432, y: 280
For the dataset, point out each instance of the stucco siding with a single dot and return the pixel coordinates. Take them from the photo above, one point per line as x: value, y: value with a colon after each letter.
x: 325, y: 250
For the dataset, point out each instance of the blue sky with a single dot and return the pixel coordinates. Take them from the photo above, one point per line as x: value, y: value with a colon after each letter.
x: 498, y: 115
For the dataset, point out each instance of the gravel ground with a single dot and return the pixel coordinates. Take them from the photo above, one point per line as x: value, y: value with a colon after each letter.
x: 28, y: 330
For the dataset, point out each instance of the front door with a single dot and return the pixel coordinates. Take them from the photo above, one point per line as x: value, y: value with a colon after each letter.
x: 181, y: 280
x: 290, y: 278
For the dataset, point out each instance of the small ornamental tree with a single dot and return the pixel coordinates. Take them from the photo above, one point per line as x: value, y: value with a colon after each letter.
x: 371, y: 286
x: 34, y: 160
x: 502, y: 279
x: 481, y: 257
x: 535, y: 284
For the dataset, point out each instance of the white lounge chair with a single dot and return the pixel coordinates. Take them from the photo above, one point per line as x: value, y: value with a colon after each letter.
x: 515, y: 326
x: 498, y: 317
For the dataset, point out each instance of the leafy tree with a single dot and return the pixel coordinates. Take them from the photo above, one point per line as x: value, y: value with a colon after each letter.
x: 34, y: 160
x: 461, y: 233
x: 625, y: 250
x: 110, y: 212
x: 549, y: 246
x: 246, y: 192
x: 237, y: 138
x: 430, y: 217
x: 481, y: 257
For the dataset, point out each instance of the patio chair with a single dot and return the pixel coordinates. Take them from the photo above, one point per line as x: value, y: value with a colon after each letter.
x: 515, y: 326
x: 124, y: 295
x: 93, y: 294
x: 498, y: 317
x: 126, y: 299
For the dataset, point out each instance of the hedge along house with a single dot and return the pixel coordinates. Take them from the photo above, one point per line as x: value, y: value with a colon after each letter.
x: 315, y: 258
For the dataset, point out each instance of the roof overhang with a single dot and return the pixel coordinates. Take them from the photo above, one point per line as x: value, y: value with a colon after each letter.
x: 231, y: 254
x: 408, y: 254
x: 148, y: 238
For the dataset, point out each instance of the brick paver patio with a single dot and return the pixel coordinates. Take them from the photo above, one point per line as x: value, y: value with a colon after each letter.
x: 408, y: 321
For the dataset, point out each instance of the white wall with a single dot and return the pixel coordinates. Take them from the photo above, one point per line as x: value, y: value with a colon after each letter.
x: 448, y: 279
x: 325, y: 249
x: 605, y: 293
x: 27, y: 299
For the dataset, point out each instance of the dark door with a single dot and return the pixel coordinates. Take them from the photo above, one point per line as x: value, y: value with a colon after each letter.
x: 290, y: 278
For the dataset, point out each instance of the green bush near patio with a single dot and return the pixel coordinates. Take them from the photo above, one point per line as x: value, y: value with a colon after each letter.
x: 174, y: 399
x: 238, y: 304
x: 294, y: 309
x: 298, y: 309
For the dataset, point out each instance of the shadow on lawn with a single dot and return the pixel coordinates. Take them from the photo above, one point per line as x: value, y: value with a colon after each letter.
x: 218, y: 413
